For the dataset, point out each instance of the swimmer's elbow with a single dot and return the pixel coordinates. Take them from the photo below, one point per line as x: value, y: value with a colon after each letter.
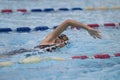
x: 70, y: 22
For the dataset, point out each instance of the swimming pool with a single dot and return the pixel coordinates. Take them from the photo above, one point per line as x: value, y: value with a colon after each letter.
x: 80, y: 42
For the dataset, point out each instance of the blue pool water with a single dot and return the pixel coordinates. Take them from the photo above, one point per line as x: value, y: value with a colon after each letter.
x: 80, y: 41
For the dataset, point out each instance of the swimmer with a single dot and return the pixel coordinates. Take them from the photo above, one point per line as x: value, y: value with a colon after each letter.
x: 59, y: 40
x: 56, y: 39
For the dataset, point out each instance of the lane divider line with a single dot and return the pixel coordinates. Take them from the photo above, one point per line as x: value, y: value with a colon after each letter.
x: 63, y: 9
x: 37, y: 58
x: 43, y: 28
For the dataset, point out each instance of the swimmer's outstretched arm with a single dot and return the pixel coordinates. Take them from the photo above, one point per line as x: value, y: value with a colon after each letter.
x: 55, y: 33
x: 20, y: 51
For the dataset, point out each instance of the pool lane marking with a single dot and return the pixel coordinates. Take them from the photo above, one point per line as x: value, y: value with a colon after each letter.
x: 37, y: 58
x: 63, y: 9
x: 43, y: 28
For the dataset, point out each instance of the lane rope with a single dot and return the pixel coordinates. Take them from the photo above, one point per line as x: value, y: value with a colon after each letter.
x: 37, y: 58
x: 43, y: 28
x: 63, y: 9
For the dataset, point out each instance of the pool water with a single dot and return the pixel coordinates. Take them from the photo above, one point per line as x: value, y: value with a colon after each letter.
x: 81, y: 43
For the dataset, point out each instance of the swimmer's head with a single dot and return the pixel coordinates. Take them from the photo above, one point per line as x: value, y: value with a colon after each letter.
x: 61, y: 39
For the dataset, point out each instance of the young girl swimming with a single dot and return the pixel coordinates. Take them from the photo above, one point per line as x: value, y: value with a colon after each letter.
x: 56, y: 40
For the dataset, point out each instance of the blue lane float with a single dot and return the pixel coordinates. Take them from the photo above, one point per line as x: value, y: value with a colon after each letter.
x: 41, y: 28
x: 75, y: 9
x: 5, y: 30
x: 36, y: 10
x: 63, y: 9
x: 23, y: 29
x: 48, y: 10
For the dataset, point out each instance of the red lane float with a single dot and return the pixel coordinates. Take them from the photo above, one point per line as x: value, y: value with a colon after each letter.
x: 93, y: 25
x: 22, y: 10
x: 102, y: 56
x: 6, y: 11
x: 117, y: 54
x: 79, y: 57
x: 97, y: 56
x: 109, y: 24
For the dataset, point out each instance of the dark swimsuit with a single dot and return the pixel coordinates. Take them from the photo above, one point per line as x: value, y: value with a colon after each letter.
x: 48, y: 48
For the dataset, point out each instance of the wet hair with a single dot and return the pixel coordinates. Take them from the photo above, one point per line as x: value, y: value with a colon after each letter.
x: 62, y: 37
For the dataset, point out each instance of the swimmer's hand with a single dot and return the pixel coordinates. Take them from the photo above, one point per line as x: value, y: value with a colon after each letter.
x: 94, y: 33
